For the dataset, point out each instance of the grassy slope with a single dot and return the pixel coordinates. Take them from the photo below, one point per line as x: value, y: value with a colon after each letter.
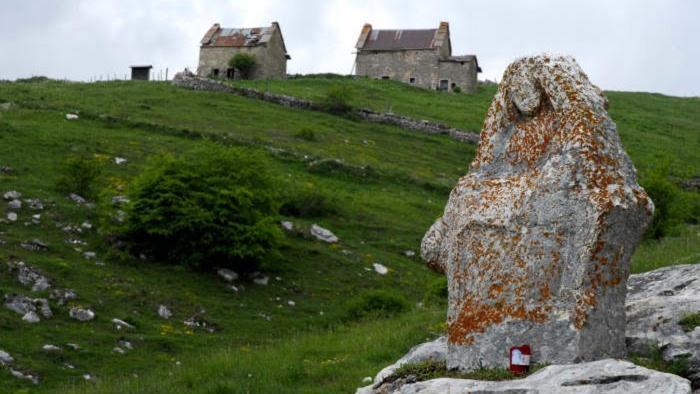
x: 377, y: 221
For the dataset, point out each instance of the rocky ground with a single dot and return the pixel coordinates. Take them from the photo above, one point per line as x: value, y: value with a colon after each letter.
x: 657, y: 301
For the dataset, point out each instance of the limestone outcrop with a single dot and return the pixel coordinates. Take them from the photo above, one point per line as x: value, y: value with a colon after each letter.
x: 536, y: 239
x: 657, y: 301
x: 603, y: 376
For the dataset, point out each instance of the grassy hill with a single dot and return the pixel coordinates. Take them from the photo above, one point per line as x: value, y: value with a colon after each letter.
x: 391, y: 185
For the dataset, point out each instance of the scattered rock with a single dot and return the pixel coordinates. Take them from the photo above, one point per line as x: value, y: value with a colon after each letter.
x: 125, y: 344
x: 62, y: 296
x: 81, y: 314
x: 28, y: 307
x: 87, y: 377
x: 86, y: 225
x: 25, y: 376
x: 71, y: 116
x: 5, y: 106
x: 6, y: 170
x: 287, y: 225
x: 120, y: 200
x: 51, y: 348
x: 536, y: 240
x: 73, y: 346
x: 15, y: 204
x: 164, y: 312
x: 5, y: 358
x: 35, y: 204
x: 118, y: 350
x: 90, y: 255
x: 12, y: 195
x: 80, y: 200
x: 199, y: 323
x: 323, y: 234
x: 227, y: 274
x: 261, y: 280
x: 119, y: 160
x: 380, y: 269
x: 291, y: 303
x: 36, y: 218
x: 656, y: 302
x: 35, y: 245
x: 409, y: 253
x: 12, y: 216
x: 122, y: 325
x: 31, y: 317
x: 29, y: 276
x: 603, y: 376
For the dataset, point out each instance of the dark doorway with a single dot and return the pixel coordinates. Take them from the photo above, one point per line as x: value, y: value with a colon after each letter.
x: 231, y: 73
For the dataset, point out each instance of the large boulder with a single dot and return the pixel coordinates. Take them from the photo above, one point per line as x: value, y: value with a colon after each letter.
x: 603, y: 376
x: 656, y: 303
x: 536, y: 239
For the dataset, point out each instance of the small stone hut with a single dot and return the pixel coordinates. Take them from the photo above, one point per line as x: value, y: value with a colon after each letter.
x: 419, y: 57
x: 220, y: 44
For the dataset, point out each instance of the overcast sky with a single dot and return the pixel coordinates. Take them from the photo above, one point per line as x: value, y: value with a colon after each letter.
x: 634, y: 45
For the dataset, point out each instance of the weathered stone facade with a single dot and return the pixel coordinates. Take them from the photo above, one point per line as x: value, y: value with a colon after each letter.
x: 419, y: 57
x: 219, y: 45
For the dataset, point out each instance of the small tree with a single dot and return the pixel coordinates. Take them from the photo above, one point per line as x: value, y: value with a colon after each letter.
x: 243, y: 62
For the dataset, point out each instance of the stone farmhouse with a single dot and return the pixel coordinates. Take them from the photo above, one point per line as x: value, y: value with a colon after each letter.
x: 419, y: 57
x: 220, y: 44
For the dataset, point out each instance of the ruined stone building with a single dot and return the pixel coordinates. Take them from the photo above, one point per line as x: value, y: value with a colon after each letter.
x: 419, y: 57
x: 220, y: 44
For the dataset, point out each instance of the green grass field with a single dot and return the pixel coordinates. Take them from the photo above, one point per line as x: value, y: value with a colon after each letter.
x: 304, y: 348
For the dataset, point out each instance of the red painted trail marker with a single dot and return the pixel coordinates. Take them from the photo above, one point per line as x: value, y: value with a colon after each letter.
x: 520, y: 359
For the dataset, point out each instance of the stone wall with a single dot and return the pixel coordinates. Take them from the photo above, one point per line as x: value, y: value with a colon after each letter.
x: 271, y: 62
x: 192, y: 82
x: 462, y: 74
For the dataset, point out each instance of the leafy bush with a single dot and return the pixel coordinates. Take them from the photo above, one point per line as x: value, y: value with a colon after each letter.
x: 457, y: 89
x: 306, y: 134
x: 378, y: 303
x: 243, y: 62
x: 307, y: 202
x: 436, y: 292
x: 673, y: 207
x: 337, y: 99
x: 80, y: 175
x: 212, y: 208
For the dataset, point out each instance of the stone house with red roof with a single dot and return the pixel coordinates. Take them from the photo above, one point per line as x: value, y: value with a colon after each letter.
x: 419, y: 57
x: 220, y: 44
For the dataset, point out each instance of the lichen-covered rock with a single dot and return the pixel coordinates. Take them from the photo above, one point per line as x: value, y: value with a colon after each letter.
x: 536, y: 239
x: 603, y: 376
x: 656, y: 302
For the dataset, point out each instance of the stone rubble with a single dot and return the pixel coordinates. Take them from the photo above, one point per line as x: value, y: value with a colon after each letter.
x: 227, y: 274
x: 164, y: 312
x: 29, y: 276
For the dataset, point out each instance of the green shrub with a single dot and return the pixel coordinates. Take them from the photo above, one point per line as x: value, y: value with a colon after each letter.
x: 80, y: 175
x: 306, y: 134
x: 653, y: 358
x: 377, y: 303
x: 211, y: 208
x: 457, y: 89
x: 436, y: 292
x: 243, y: 62
x: 337, y: 99
x: 307, y: 202
x: 662, y: 193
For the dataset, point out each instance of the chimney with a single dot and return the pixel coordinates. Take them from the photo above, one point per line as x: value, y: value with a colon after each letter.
x: 364, y: 34
x: 210, y: 34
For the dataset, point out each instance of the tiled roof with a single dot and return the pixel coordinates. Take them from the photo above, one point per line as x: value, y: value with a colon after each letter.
x: 391, y: 40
